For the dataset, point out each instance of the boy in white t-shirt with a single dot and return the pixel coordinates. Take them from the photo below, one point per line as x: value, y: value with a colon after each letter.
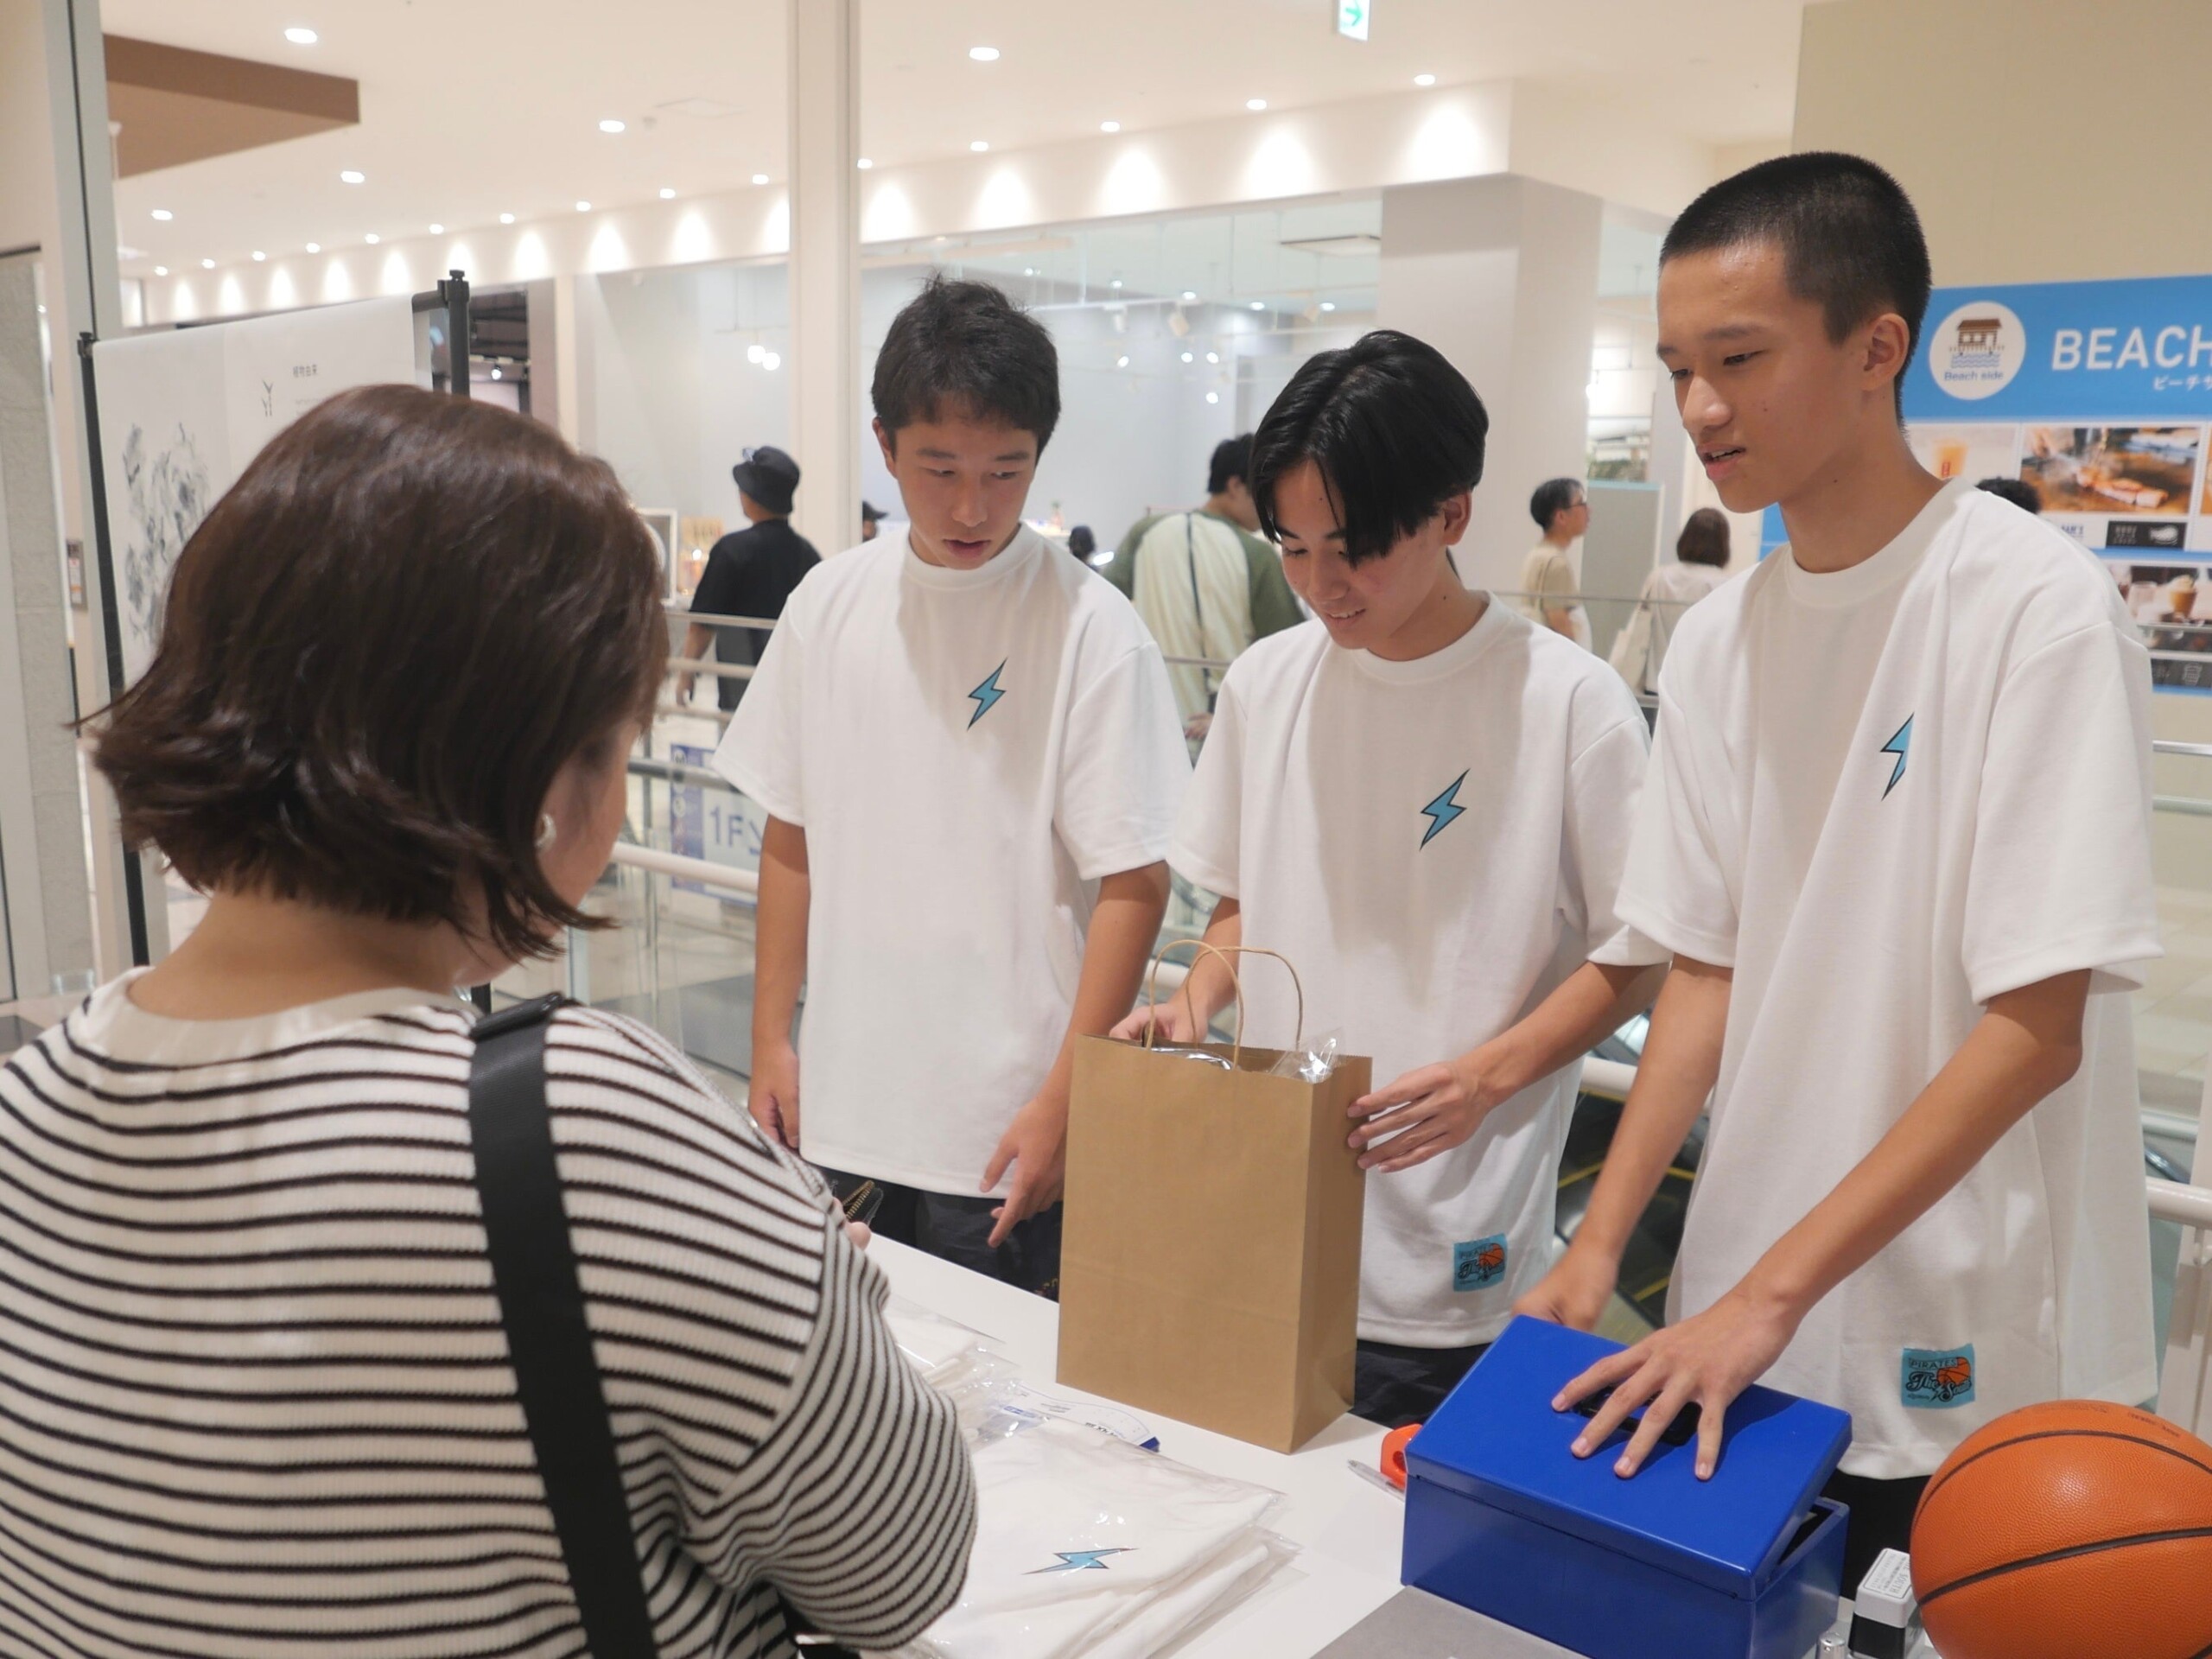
x: 1423, y: 801
x: 1897, y: 836
x: 969, y: 753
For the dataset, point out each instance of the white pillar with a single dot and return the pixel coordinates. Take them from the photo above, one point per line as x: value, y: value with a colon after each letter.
x: 1500, y: 274
x: 825, y: 279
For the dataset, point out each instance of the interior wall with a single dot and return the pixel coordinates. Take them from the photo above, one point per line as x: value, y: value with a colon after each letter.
x: 2068, y: 140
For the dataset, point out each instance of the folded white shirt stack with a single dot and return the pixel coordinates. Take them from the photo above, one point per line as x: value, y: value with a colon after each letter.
x: 1088, y: 1548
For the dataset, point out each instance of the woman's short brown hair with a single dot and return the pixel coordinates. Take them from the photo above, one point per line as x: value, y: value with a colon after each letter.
x: 378, y: 649
x: 1704, y: 539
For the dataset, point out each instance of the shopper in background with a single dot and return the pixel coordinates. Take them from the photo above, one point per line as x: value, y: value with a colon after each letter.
x: 1206, y: 584
x: 969, y: 755
x: 750, y: 572
x: 2021, y: 493
x: 1900, y: 981
x: 1700, y: 566
x: 1423, y: 802
x: 1550, y: 591
x: 1081, y: 543
x: 244, y: 1214
x: 871, y: 520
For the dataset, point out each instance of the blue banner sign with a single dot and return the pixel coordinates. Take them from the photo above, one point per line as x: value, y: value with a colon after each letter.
x: 2099, y: 395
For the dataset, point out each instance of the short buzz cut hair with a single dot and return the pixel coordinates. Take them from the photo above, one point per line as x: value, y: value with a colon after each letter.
x: 1850, y: 239
x: 1395, y: 430
x: 1552, y: 498
x: 964, y: 349
x: 1232, y: 458
x: 379, y: 649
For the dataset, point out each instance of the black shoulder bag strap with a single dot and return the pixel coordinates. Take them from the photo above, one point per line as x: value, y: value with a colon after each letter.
x: 542, y: 1306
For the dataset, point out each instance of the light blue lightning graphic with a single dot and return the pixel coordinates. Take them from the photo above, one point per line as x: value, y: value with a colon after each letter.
x: 1080, y: 1561
x: 987, y: 694
x: 1899, y: 745
x: 1442, y: 811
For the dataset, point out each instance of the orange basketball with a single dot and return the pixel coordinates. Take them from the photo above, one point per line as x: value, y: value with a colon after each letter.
x: 2072, y: 1530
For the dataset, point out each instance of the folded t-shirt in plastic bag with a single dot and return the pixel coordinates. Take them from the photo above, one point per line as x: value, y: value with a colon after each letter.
x: 940, y: 1350
x: 1080, y: 1535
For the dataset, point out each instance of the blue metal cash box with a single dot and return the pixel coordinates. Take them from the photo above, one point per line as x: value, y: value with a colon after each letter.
x: 1502, y: 1517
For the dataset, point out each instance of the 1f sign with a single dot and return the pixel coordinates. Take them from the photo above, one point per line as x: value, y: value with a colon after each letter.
x: 1352, y: 18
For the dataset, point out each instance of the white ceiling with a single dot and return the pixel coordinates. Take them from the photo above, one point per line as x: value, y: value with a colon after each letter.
x: 471, y: 108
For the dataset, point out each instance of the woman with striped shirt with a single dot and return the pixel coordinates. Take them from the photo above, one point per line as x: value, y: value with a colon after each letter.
x: 255, y: 1397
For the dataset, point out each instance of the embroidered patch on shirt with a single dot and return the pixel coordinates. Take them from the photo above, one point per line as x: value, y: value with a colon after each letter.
x: 1937, y: 1378
x: 1479, y: 1264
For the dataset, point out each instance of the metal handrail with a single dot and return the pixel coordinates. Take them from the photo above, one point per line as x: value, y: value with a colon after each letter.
x: 700, y: 665
x: 2167, y: 746
x: 678, y: 771
x: 691, y: 711
x: 689, y: 870
x: 713, y: 620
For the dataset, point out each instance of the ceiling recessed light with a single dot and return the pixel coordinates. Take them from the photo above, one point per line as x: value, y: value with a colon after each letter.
x: 1328, y: 305
x: 984, y: 53
x: 1213, y: 396
x: 302, y: 36
x: 759, y: 178
x: 495, y: 371
x: 1424, y: 80
x: 258, y: 255
x: 1122, y: 362
x: 755, y: 352
x: 612, y: 125
x: 372, y: 239
x: 1029, y: 271
x: 864, y: 164
x: 207, y: 264
x: 1110, y: 127
x: 1255, y: 104
x: 1116, y: 282
x: 667, y: 194
x: 437, y: 229
x: 506, y: 218
x: 350, y: 176
x: 979, y: 145
x: 315, y: 247
x: 163, y: 214
x: 1259, y: 305
x: 1189, y: 358
x: 1213, y: 357
x: 161, y: 271
x: 1190, y: 293
x: 583, y: 207
x: 771, y: 361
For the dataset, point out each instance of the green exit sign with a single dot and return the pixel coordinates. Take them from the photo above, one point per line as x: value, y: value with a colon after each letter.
x: 1353, y: 16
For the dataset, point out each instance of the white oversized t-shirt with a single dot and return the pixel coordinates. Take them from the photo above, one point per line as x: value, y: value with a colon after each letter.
x: 1884, y: 796
x: 1435, y: 845
x: 969, y: 753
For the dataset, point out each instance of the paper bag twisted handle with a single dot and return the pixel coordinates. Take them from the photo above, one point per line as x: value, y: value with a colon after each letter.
x: 1224, y: 951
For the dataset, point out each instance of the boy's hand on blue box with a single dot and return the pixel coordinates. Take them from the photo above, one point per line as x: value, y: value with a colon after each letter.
x: 1429, y: 1110
x: 1707, y: 1360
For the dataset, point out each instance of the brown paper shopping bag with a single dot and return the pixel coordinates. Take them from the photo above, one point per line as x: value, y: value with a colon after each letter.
x: 1210, y: 1262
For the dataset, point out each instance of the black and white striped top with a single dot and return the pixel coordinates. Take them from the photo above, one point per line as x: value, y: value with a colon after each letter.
x: 254, y: 1395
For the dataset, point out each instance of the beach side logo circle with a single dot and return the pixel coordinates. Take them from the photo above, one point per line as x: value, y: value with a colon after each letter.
x: 1975, y: 352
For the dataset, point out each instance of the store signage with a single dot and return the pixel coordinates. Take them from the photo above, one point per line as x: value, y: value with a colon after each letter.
x: 2099, y: 395
x: 1352, y: 18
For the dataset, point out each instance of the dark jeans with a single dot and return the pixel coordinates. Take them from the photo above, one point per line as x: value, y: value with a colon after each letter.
x: 1394, y: 1385
x: 957, y: 1228
x: 1881, y: 1518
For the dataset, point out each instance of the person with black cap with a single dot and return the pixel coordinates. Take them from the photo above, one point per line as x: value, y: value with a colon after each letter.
x: 750, y: 572
x: 870, y: 519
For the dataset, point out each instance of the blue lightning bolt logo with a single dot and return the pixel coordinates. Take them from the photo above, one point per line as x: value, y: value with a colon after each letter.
x: 987, y: 694
x: 1442, y: 811
x: 1080, y: 1561
x: 1900, y: 744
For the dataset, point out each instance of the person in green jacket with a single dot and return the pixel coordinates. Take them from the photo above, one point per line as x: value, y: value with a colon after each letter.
x: 1205, y: 583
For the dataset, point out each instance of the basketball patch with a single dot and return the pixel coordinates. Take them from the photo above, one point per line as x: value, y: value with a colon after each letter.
x: 1937, y: 1378
x: 1478, y: 1264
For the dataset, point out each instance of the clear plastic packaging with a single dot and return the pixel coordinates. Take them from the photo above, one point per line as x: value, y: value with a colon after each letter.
x: 1311, y: 1059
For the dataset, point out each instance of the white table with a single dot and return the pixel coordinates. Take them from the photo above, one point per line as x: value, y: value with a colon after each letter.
x: 1347, y: 1529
